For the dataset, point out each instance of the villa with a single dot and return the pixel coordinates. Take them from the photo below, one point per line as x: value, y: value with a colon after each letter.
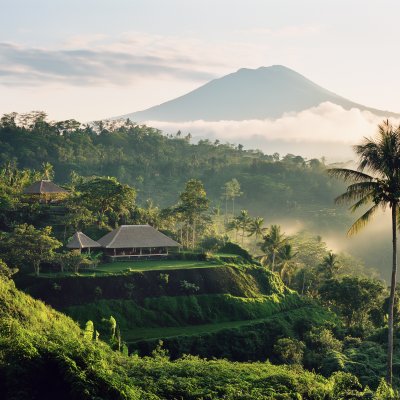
x: 136, y: 241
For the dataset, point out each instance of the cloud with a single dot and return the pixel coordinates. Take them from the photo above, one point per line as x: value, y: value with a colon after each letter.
x: 126, y: 60
x: 20, y: 66
x: 83, y: 40
x: 324, y: 130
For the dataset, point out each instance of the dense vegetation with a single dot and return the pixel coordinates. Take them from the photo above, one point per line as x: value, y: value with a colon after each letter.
x: 266, y: 307
x: 46, y: 355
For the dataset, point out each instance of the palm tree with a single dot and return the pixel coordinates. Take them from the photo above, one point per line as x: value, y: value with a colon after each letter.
x: 47, y: 170
x: 274, y: 240
x: 380, y: 156
x: 233, y: 225
x: 244, y: 221
x: 255, y: 228
x: 330, y: 265
x: 286, y: 262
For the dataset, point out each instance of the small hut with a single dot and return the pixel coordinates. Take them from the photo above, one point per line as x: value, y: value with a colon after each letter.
x: 80, y: 241
x: 45, y: 192
x: 136, y: 241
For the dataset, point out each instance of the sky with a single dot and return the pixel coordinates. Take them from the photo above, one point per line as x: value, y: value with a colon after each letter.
x: 92, y: 60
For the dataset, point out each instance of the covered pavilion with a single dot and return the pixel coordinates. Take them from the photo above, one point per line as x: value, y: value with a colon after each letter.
x: 45, y: 192
x: 136, y: 241
x: 80, y: 241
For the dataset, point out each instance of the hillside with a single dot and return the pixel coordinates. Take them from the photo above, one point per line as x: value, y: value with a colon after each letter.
x: 266, y: 92
x: 44, y: 355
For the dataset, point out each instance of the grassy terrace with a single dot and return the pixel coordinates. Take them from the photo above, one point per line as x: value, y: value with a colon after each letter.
x: 120, y: 267
x: 153, y: 333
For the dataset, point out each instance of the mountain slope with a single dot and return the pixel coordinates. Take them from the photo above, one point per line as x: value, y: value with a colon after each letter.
x: 267, y: 92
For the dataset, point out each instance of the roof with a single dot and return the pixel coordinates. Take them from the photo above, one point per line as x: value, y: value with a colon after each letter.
x: 43, y: 186
x: 80, y: 240
x: 136, y: 236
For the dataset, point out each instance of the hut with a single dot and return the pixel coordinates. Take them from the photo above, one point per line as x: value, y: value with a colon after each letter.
x: 80, y: 241
x: 45, y: 192
x: 136, y: 241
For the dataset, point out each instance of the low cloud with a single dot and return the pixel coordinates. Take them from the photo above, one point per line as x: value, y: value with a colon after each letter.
x: 326, y: 130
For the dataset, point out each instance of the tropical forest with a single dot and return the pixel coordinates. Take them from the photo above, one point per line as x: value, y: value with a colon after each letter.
x: 278, y: 287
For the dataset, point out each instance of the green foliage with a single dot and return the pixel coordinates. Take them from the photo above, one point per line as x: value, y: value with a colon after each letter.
x: 320, y: 342
x: 232, y: 248
x: 27, y: 245
x: 6, y: 272
x: 162, y: 279
x: 89, y: 329
x: 291, y: 350
x: 361, y: 293
x: 189, y: 287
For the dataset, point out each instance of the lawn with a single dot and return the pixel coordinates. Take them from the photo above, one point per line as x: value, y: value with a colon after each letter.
x: 127, y: 266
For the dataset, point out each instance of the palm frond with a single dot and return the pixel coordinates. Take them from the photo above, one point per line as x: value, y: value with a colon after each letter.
x: 348, y: 175
x: 355, y: 192
x: 364, y: 200
x: 363, y: 221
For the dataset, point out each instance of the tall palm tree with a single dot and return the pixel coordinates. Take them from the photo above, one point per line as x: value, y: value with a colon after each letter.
x: 255, y: 228
x: 274, y: 240
x: 380, y: 157
x: 286, y: 262
x: 244, y: 221
x: 233, y: 225
x: 330, y: 265
x: 47, y: 170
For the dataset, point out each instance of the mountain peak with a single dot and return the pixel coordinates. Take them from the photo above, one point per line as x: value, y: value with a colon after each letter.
x: 262, y: 93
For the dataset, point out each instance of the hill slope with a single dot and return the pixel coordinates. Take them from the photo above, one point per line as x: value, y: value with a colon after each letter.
x: 267, y: 92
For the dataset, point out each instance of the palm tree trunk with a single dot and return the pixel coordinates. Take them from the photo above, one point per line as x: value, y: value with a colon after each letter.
x: 391, y: 298
x: 273, y: 261
x: 181, y: 233
x: 254, y: 248
x: 194, y: 224
x: 226, y: 211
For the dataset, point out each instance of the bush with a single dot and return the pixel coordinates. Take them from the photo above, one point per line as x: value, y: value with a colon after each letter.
x: 232, y: 248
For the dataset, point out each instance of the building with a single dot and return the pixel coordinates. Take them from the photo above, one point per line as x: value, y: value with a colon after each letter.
x: 136, y: 241
x: 45, y: 192
x: 80, y: 241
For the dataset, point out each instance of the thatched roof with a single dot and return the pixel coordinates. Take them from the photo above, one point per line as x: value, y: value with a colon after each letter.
x: 42, y: 186
x: 128, y: 236
x: 80, y: 240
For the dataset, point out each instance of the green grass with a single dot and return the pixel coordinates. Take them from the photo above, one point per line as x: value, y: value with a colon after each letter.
x: 151, y: 333
x: 116, y: 267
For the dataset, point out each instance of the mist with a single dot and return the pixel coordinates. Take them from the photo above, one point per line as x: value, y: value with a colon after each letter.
x: 326, y: 130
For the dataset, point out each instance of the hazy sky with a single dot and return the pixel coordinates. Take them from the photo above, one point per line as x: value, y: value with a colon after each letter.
x: 95, y: 59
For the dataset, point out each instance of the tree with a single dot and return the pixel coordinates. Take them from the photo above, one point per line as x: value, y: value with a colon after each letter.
x: 235, y: 185
x: 73, y: 260
x: 380, y: 156
x: 195, y: 200
x: 47, y: 171
x: 286, y: 262
x: 353, y: 296
x: 244, y: 221
x: 290, y: 350
x: 330, y: 265
x: 227, y: 193
x: 27, y: 245
x: 106, y: 195
x: 256, y: 228
x: 274, y: 240
x: 233, y: 225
